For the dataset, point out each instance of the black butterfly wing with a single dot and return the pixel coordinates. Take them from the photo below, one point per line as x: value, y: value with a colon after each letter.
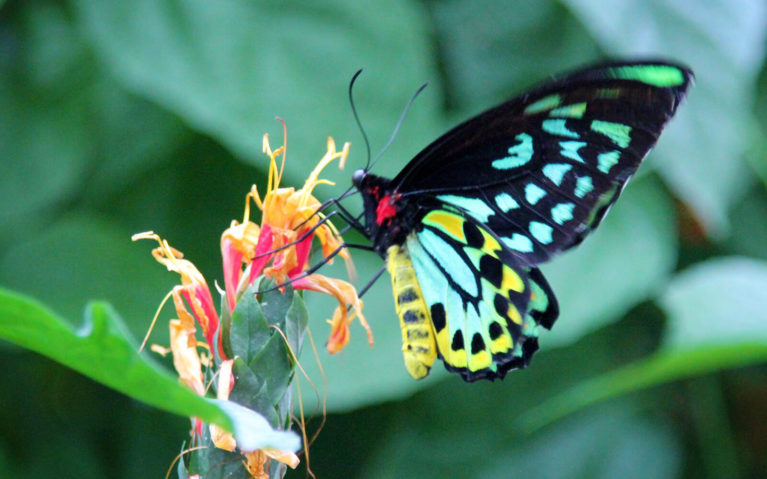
x: 541, y: 170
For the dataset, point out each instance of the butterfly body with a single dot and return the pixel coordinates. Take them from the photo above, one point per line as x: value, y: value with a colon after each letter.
x: 463, y: 226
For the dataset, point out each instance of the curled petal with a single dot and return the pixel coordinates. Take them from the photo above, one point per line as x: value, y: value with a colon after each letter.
x: 185, y: 358
x: 347, y: 297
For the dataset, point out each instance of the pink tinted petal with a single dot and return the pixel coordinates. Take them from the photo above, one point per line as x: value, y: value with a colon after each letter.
x: 302, y: 255
x: 263, y: 246
x: 232, y: 258
x: 202, y: 293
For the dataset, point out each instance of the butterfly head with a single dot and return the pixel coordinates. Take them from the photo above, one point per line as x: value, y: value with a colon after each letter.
x: 358, y: 177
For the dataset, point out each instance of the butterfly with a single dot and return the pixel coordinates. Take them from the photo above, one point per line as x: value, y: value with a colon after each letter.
x: 465, y: 224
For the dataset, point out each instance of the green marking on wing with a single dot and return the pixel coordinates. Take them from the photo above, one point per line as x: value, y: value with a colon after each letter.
x: 533, y: 193
x: 474, y: 206
x: 617, y: 132
x: 556, y: 171
x: 541, y: 232
x: 608, y: 93
x: 576, y: 110
x: 545, y: 103
x: 519, y: 242
x: 505, y: 202
x: 570, y: 149
x: 605, y: 161
x: 562, y: 213
x: 446, y: 256
x: 558, y: 127
x: 583, y: 186
x: 519, y: 155
x: 662, y: 76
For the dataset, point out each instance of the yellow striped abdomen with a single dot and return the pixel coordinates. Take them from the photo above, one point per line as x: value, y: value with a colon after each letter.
x: 418, y: 345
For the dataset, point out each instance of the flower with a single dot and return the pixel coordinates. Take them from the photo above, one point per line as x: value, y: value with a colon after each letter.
x: 279, y: 248
x: 193, y: 289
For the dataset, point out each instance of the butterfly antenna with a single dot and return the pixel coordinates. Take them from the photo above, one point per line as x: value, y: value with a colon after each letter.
x: 357, y: 118
x: 399, y: 123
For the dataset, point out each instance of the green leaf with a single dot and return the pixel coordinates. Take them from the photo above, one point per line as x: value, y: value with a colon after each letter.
x: 250, y: 330
x: 81, y: 257
x: 724, y: 43
x: 103, y: 350
x: 229, y: 69
x: 720, y: 301
x: 488, y: 37
x: 660, y: 368
x: 249, y: 390
x: 717, y: 320
x: 613, y: 442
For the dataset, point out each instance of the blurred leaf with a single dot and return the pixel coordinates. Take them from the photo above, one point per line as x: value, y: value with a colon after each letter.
x: 629, y: 258
x: 229, y: 68
x: 492, y: 49
x: 82, y: 257
x: 130, y: 136
x: 660, y: 368
x: 68, y: 128
x: 613, y: 442
x: 717, y: 320
x: 721, y: 301
x: 43, y: 139
x: 724, y: 43
x: 749, y: 226
x: 103, y: 349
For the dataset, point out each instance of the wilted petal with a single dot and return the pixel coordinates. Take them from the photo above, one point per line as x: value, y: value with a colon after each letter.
x: 347, y: 298
x: 223, y: 439
x: 183, y: 345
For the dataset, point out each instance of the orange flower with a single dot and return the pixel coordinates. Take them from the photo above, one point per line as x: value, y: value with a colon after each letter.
x: 279, y: 248
x: 193, y: 289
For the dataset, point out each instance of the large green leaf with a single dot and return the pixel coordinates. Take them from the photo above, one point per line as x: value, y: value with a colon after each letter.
x: 228, y: 69
x: 81, y: 257
x: 724, y: 43
x: 717, y: 320
x: 102, y: 349
x: 721, y: 301
x: 612, y: 442
x: 493, y: 49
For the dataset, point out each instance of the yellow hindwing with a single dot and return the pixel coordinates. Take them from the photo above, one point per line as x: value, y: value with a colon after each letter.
x: 418, y: 345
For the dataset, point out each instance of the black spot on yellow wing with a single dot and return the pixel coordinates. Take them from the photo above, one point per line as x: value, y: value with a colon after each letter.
x: 457, y: 344
x: 491, y: 269
x: 438, y: 317
x: 477, y: 343
x: 496, y: 330
x: 473, y: 235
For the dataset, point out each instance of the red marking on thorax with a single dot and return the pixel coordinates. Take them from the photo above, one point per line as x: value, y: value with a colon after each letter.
x: 385, y: 209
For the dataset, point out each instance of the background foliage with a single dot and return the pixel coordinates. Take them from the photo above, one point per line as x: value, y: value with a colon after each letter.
x: 119, y: 117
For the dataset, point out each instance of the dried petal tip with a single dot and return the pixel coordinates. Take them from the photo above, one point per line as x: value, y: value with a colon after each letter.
x: 194, y: 290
